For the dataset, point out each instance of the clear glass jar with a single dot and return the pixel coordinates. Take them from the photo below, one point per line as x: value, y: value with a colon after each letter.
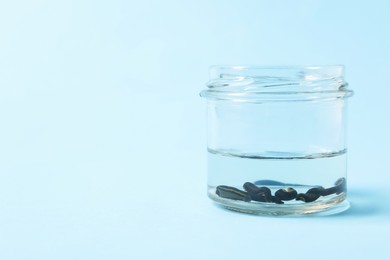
x: 276, y: 139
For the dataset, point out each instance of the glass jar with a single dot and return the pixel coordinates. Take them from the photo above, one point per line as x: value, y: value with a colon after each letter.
x: 276, y: 139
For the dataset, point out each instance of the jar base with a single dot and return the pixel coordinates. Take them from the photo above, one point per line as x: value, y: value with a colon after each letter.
x: 331, y: 206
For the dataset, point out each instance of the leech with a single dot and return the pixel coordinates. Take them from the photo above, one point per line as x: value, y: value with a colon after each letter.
x: 329, y: 191
x: 232, y: 193
x: 302, y: 197
x: 310, y: 196
x: 261, y: 194
x: 286, y: 194
x: 251, y: 188
x: 306, y: 197
x: 340, y: 186
x: 277, y: 200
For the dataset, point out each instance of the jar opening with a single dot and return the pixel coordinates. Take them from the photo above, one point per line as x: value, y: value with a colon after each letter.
x: 245, y: 83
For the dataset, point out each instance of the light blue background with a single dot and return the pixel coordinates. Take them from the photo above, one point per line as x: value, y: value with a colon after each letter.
x: 102, y: 135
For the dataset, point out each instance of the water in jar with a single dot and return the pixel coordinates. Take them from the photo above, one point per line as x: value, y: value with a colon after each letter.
x: 311, y: 182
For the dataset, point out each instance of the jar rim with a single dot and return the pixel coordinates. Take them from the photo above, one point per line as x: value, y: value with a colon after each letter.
x: 276, y: 82
x: 243, y: 67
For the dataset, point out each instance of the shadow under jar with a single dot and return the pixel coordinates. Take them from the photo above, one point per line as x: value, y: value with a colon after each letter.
x: 276, y: 139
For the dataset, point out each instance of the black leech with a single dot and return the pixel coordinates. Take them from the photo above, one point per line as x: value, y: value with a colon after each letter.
x: 251, y: 188
x: 277, y: 200
x: 286, y: 194
x: 261, y: 194
x: 341, y: 185
x: 232, y: 193
x: 311, y: 195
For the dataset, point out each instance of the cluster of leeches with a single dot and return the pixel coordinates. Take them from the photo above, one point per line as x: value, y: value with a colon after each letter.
x: 263, y: 194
